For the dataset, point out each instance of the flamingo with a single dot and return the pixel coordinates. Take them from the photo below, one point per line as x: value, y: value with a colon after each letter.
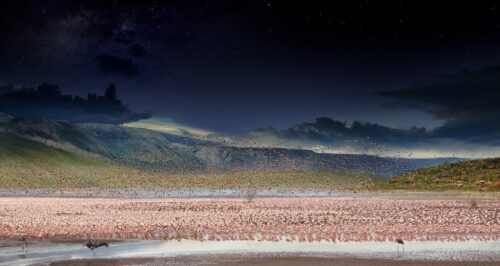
x: 400, y: 241
x: 25, y: 243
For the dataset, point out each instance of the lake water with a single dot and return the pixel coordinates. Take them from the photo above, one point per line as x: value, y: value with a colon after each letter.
x: 236, y: 193
x: 45, y: 252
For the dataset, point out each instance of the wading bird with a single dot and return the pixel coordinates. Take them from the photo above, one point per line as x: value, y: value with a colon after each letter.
x: 25, y: 243
x: 93, y: 245
x: 400, y: 242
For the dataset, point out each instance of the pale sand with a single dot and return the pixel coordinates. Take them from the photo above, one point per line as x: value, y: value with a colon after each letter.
x: 303, y: 219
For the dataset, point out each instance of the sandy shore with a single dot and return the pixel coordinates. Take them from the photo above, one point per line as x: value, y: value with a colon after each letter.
x: 302, y: 219
x: 265, y: 260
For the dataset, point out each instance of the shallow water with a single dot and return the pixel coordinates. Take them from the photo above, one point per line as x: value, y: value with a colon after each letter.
x: 236, y: 193
x: 46, y: 252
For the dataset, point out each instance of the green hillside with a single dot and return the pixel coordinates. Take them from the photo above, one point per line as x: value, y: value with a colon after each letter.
x: 156, y: 151
x: 482, y: 175
x: 41, y: 153
x: 15, y: 148
x: 26, y: 163
x: 135, y: 147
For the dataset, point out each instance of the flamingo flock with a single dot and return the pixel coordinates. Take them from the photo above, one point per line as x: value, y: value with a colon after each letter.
x: 263, y: 219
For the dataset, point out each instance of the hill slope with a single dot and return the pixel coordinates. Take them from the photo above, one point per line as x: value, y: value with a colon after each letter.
x: 481, y: 174
x: 25, y: 163
x: 15, y: 148
x: 236, y: 158
x: 151, y: 150
x: 129, y: 146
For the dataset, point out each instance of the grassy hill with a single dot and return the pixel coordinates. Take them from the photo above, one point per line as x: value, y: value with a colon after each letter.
x: 15, y: 148
x: 26, y: 163
x: 157, y: 151
x: 135, y: 147
x: 481, y: 175
x: 41, y: 153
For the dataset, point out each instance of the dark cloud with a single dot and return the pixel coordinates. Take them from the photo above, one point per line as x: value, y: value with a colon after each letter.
x: 326, y: 130
x: 114, y: 65
x: 333, y: 136
x: 468, y: 103
x: 137, y: 50
x: 47, y: 101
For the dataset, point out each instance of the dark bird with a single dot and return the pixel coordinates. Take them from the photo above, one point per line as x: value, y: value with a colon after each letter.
x: 400, y: 242
x: 25, y: 243
x: 92, y: 245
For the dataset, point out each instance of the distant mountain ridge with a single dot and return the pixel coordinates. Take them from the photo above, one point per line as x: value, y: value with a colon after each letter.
x: 146, y: 149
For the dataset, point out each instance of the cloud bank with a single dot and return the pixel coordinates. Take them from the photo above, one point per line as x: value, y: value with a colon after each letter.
x: 47, y: 101
x: 467, y: 103
x: 326, y: 135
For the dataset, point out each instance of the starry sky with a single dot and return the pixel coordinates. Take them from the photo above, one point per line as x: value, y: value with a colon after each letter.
x: 233, y: 66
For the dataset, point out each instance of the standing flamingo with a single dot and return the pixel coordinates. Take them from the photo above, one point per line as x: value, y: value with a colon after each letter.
x: 400, y: 241
x: 25, y: 243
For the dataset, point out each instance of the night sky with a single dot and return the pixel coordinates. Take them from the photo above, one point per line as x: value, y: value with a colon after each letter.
x: 233, y: 66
